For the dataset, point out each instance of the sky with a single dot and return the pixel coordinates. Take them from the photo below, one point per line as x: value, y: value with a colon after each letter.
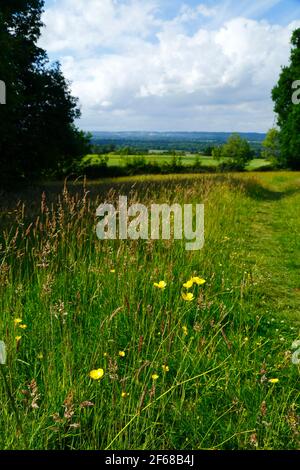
x: 171, y: 65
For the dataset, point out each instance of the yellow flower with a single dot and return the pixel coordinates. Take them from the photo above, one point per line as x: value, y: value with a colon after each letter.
x: 124, y: 395
x: 188, y: 297
x: 23, y: 327
x: 160, y: 285
x: 185, y: 330
x: 274, y: 381
x: 165, y: 368
x: 105, y: 354
x: 18, y: 338
x: 122, y: 353
x: 155, y: 377
x: 188, y: 284
x: 112, y: 271
x: 17, y: 321
x: 198, y: 280
x: 97, y: 374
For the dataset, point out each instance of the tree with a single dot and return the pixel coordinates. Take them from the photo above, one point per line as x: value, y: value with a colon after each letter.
x: 217, y: 152
x: 37, y: 130
x: 271, y: 146
x: 237, y: 151
x: 288, y: 113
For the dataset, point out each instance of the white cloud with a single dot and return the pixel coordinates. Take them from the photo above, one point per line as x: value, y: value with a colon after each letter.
x: 82, y: 25
x: 133, y: 70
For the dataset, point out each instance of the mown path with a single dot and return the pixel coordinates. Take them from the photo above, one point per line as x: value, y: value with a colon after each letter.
x: 274, y: 241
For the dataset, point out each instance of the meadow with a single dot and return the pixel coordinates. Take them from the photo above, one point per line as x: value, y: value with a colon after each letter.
x: 217, y: 371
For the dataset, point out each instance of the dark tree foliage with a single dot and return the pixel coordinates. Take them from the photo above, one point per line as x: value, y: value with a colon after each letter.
x: 37, y: 131
x: 289, y: 113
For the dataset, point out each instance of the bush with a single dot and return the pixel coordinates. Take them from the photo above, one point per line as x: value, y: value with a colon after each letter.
x: 231, y: 165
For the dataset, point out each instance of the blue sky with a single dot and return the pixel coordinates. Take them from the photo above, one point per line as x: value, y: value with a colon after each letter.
x: 172, y: 64
x: 279, y: 11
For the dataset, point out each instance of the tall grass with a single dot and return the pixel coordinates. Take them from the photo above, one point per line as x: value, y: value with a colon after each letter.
x: 84, y: 301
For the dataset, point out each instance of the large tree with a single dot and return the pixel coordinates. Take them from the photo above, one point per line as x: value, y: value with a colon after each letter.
x: 236, y: 151
x: 271, y: 146
x: 287, y: 111
x: 37, y: 130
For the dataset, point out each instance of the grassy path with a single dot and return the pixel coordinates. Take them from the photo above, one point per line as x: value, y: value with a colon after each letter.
x: 275, y: 242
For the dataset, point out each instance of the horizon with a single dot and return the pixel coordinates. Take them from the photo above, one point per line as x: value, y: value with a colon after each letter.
x: 175, y: 132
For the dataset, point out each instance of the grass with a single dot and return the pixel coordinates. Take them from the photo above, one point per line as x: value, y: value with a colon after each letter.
x: 118, y: 160
x: 85, y: 301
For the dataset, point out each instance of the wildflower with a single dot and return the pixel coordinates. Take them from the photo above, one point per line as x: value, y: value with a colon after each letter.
x: 23, y: 326
x: 86, y: 404
x: 185, y: 330
x: 124, y: 395
x: 97, y: 374
x: 165, y: 368
x: 18, y: 338
x: 253, y: 440
x: 263, y: 408
x: 160, y: 285
x: 188, y: 284
x: 105, y: 354
x: 273, y: 381
x: 198, y: 280
x: 188, y: 297
x: 17, y: 321
x: 112, y: 271
x: 122, y: 353
x: 155, y: 377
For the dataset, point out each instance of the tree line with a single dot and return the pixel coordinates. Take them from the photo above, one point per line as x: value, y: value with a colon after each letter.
x: 38, y: 134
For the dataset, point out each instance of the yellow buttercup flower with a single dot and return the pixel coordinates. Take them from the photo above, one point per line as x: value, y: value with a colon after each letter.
x: 165, y: 368
x: 188, y: 297
x: 198, y: 280
x: 160, y: 285
x: 18, y: 338
x: 188, y: 284
x: 23, y: 327
x: 97, y: 374
x: 185, y: 330
x: 17, y: 321
x: 155, y: 377
x: 124, y: 395
x: 273, y: 381
x: 122, y: 353
x: 112, y: 271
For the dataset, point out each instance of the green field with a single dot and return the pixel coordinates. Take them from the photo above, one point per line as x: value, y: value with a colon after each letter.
x: 212, y: 373
x: 119, y: 160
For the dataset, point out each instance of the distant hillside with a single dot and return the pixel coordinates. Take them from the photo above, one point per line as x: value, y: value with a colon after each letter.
x: 182, y: 141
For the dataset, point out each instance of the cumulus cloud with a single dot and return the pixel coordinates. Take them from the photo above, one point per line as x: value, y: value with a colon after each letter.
x: 133, y: 70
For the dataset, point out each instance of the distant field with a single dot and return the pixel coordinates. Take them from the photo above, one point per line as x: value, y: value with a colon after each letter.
x: 118, y: 160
